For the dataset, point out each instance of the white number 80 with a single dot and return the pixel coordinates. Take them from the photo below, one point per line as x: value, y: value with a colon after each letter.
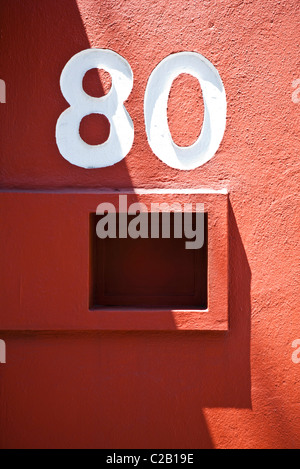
x: 121, y: 137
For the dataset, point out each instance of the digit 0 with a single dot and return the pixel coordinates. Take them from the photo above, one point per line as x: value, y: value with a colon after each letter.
x: 156, y: 105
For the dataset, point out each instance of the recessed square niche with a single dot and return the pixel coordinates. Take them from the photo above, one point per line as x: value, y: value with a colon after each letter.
x: 148, y: 273
x: 155, y: 283
x: 116, y: 284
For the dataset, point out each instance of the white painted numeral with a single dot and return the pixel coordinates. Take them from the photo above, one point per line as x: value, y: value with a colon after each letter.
x: 121, y: 137
x: 156, y: 105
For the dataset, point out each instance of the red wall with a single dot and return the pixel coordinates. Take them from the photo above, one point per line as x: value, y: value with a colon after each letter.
x: 172, y: 389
